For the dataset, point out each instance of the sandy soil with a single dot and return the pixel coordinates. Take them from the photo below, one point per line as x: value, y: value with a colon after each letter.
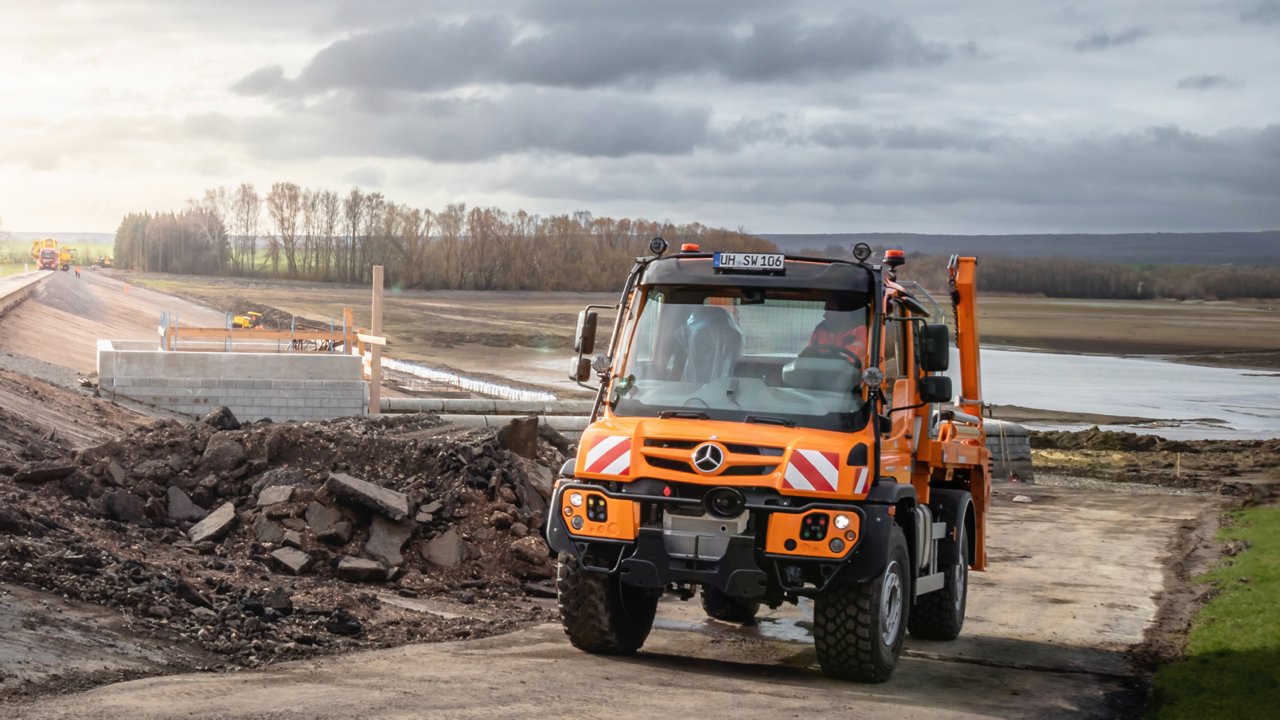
x: 62, y: 322
x: 1051, y: 631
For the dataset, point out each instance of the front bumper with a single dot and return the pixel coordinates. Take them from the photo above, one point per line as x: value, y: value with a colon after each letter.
x: 751, y: 564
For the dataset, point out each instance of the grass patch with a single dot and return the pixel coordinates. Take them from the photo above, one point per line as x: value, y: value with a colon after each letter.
x: 1232, y: 668
x: 12, y: 268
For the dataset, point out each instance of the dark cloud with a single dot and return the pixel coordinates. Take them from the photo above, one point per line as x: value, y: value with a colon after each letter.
x: 434, y: 55
x: 1262, y: 13
x: 1205, y: 82
x: 1103, y: 40
x: 551, y: 122
x: 1163, y: 178
x: 263, y: 81
x: 903, y: 137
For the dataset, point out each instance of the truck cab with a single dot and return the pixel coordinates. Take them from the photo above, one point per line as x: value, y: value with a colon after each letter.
x: 769, y: 427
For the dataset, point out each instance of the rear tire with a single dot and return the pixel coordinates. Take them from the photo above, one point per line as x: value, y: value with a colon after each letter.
x: 859, y: 627
x: 602, y: 615
x: 720, y: 606
x: 940, y: 615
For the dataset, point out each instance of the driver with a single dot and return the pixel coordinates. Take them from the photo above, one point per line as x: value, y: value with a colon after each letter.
x: 841, y: 327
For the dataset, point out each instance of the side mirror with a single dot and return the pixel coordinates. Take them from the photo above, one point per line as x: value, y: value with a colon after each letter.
x: 579, y: 368
x: 935, y: 388
x: 935, y: 348
x: 584, y: 342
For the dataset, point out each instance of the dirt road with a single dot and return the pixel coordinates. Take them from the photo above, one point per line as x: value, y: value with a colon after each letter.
x: 1071, y: 592
x: 62, y: 322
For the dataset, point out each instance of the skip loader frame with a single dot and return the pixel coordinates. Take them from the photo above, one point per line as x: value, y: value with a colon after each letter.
x: 727, y: 458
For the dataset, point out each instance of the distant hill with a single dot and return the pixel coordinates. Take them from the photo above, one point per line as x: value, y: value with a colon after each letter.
x: 1210, y: 248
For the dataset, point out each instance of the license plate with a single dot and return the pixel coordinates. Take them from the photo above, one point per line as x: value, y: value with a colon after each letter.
x: 760, y: 262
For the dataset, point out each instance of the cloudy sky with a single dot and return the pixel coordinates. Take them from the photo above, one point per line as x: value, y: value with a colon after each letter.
x: 989, y: 116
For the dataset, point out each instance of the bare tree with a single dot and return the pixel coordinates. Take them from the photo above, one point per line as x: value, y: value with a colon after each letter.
x: 353, y: 217
x: 330, y: 210
x: 247, y: 213
x: 284, y: 202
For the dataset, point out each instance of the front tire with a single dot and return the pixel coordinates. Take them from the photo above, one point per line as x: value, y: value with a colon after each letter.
x: 602, y: 615
x: 940, y: 615
x: 720, y: 606
x: 859, y: 627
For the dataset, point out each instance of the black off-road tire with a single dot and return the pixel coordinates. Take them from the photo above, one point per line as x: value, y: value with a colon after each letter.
x: 729, y: 609
x: 850, y: 620
x: 600, y: 614
x: 940, y: 615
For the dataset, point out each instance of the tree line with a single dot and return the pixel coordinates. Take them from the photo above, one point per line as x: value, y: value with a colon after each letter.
x: 302, y: 233
x: 1066, y: 278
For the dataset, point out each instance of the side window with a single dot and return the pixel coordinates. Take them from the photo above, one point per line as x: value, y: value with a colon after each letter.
x: 893, y: 349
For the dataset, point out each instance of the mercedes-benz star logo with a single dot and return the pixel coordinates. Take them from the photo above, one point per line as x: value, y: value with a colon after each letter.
x: 708, y: 457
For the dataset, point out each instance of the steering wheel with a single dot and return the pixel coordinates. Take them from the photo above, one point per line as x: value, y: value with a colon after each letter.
x: 832, y: 352
x: 690, y: 402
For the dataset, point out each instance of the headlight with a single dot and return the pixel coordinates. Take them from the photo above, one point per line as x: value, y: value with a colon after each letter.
x: 842, y: 522
x: 575, y: 499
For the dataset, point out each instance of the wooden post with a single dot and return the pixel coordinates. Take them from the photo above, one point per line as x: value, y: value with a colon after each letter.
x: 375, y: 365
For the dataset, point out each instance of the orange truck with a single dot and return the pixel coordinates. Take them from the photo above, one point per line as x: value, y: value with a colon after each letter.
x: 767, y: 428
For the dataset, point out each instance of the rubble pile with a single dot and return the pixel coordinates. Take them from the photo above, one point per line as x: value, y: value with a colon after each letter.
x: 1212, y: 465
x: 275, y: 540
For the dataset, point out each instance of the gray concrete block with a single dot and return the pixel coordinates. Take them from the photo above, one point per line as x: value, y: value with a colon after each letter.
x: 262, y: 383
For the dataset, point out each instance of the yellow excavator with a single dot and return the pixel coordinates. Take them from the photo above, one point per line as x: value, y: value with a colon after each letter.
x: 247, y: 320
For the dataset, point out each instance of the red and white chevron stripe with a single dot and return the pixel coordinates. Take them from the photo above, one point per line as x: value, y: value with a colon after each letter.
x: 860, y: 487
x: 610, y: 456
x: 813, y: 470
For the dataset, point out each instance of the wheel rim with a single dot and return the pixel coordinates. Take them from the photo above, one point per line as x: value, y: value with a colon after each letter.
x: 891, y: 604
x: 961, y: 577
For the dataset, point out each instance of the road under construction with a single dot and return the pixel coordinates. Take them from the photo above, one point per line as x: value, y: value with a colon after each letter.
x: 1088, y: 581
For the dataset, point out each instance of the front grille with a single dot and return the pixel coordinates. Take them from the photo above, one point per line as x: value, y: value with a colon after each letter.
x: 741, y: 470
x: 671, y: 444
x: 754, y: 450
x: 668, y: 464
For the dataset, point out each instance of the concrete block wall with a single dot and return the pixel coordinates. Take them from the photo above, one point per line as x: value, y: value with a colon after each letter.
x: 280, y: 386
x: 1010, y: 450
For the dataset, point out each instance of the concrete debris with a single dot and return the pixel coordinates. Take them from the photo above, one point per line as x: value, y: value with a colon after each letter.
x: 126, y: 507
x: 279, y: 476
x: 221, y: 418
x: 291, y: 560
x: 336, y: 534
x: 1021, y: 499
x: 330, y: 503
x: 321, y: 517
x: 275, y: 494
x: 181, y: 506
x: 215, y: 526
x: 267, y: 530
x: 224, y: 453
x: 387, y: 539
x: 116, y: 473
x: 447, y: 550
x: 42, y: 472
x: 520, y: 436
x: 360, y: 570
x: 390, y: 503
x: 532, y: 550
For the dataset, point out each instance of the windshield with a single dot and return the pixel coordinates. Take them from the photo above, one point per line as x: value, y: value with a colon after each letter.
x: 786, y: 357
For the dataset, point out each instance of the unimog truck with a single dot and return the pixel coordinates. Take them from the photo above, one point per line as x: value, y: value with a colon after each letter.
x: 768, y: 428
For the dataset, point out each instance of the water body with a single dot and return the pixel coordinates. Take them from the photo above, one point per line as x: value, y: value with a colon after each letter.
x: 1201, y: 402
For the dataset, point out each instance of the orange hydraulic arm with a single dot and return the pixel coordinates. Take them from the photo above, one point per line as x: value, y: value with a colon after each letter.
x: 964, y: 302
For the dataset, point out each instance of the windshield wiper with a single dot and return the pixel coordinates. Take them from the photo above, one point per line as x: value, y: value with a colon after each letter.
x: 768, y: 420
x: 683, y: 414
